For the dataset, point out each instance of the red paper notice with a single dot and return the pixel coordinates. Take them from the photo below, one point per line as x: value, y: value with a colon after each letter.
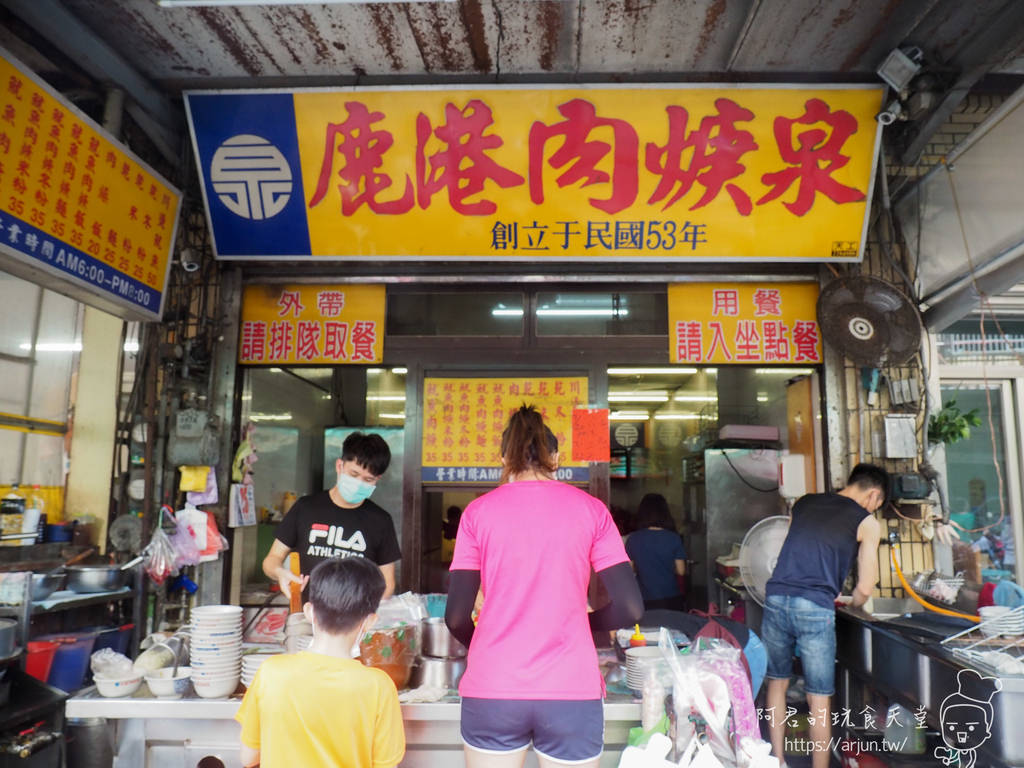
x: 590, y: 440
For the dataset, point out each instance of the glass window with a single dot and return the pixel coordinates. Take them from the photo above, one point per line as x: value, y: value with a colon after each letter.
x: 19, y: 299
x: 602, y: 314
x: 385, y: 397
x: 300, y: 415
x: 962, y: 342
x: 59, y: 341
x: 661, y: 415
x: 455, y: 313
x: 978, y: 497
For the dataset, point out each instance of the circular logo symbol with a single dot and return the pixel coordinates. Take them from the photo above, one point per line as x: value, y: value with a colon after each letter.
x: 251, y: 177
x: 626, y: 435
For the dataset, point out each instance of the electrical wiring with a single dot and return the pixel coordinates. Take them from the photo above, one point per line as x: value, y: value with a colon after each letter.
x: 744, y: 480
x: 983, y: 299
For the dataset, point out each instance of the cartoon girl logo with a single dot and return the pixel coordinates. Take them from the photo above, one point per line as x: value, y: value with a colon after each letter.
x: 966, y: 718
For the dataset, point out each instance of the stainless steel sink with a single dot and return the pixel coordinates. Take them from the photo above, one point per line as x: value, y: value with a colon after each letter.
x: 855, y: 643
x: 890, y: 607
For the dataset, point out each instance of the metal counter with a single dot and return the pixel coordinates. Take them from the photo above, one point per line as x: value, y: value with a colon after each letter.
x: 163, y: 733
x: 920, y: 673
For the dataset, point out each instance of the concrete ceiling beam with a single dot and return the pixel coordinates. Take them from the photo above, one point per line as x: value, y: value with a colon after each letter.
x: 67, y: 33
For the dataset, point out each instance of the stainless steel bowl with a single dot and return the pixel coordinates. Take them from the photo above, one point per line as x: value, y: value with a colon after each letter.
x: 45, y: 584
x: 438, y: 641
x: 96, y: 578
x: 437, y: 673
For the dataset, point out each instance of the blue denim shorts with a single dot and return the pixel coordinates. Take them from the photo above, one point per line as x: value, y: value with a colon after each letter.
x: 563, y: 731
x: 797, y: 624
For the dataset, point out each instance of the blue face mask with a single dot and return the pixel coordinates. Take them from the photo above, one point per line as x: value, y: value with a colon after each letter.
x: 353, y: 490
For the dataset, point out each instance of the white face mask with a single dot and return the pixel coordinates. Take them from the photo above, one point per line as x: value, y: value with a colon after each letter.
x: 359, y: 637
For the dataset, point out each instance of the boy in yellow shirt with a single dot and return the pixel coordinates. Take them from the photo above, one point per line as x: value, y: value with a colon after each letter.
x: 322, y: 708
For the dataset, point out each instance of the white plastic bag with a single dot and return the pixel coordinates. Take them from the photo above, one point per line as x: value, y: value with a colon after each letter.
x: 107, y: 662
x: 702, y: 695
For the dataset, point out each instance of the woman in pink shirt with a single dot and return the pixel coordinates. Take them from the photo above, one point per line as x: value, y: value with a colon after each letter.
x: 530, y: 546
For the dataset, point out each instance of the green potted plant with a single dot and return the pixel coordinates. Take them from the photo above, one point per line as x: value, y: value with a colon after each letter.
x: 950, y: 424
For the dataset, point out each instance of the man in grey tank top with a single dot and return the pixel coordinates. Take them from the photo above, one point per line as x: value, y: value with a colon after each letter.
x: 827, y: 533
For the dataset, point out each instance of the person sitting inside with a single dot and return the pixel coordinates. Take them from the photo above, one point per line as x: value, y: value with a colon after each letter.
x: 322, y: 707
x: 657, y: 554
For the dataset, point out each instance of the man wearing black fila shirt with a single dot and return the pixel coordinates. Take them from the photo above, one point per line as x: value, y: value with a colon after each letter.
x: 340, y: 522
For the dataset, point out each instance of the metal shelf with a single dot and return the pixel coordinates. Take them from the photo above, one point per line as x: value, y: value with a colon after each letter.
x: 92, y: 598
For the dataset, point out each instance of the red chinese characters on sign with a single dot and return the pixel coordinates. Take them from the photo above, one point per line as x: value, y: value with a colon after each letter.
x: 330, y: 303
x: 307, y: 343
x: 815, y: 154
x: 580, y: 121
x: 718, y: 341
x: 362, y: 148
x: 459, y: 154
x: 335, y: 335
x: 690, y: 341
x: 776, y: 344
x: 254, y: 336
x: 725, y: 301
x: 364, y: 339
x: 281, y: 341
x: 770, y: 341
x: 464, y: 166
x: 290, y: 302
x: 767, y: 301
x: 717, y: 146
x: 805, y: 339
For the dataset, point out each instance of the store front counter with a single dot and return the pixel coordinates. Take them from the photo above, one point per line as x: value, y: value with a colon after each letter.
x: 202, y: 733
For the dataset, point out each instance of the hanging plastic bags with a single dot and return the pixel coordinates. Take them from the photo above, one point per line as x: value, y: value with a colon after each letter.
x: 186, y: 548
x: 159, y: 556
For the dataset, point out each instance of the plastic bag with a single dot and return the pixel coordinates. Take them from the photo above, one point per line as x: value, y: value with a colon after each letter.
x: 107, y: 662
x: 701, y: 703
x: 654, y: 754
x: 159, y: 557
x: 725, y: 661
x: 183, y: 541
x: 407, y: 608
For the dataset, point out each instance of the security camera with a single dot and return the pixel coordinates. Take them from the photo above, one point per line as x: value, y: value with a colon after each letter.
x: 189, y: 260
x: 892, y: 113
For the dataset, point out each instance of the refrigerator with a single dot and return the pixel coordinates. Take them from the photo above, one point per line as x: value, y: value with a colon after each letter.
x: 726, y: 491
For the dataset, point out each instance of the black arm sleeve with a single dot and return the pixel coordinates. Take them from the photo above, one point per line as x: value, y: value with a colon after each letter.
x: 458, y: 613
x: 626, y: 606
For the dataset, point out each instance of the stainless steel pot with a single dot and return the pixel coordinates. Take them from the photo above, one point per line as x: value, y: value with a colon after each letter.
x: 45, y: 584
x: 439, y: 642
x: 8, y: 636
x: 437, y: 673
x: 96, y: 578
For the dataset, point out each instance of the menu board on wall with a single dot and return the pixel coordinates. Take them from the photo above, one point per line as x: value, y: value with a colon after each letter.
x: 744, y: 323
x: 463, y: 420
x: 76, y: 205
x: 312, y: 324
x: 635, y: 172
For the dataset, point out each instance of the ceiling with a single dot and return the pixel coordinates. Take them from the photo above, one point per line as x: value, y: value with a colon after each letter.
x: 153, y: 53
x: 245, y: 46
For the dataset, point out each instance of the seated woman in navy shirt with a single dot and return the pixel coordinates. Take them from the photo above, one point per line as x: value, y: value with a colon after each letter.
x: 657, y: 554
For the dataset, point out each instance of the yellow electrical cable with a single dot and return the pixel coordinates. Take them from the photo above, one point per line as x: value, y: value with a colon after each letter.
x: 927, y: 605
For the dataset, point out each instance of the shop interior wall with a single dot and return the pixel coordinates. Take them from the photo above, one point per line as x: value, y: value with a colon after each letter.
x: 290, y: 450
x: 40, y: 345
x: 860, y: 425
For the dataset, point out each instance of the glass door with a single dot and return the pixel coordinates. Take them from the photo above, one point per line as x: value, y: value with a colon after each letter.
x: 983, y: 475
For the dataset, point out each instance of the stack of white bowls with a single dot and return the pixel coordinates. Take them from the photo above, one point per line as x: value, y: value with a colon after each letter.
x: 250, y: 664
x: 643, y: 661
x: 216, y: 650
x: 1001, y: 620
